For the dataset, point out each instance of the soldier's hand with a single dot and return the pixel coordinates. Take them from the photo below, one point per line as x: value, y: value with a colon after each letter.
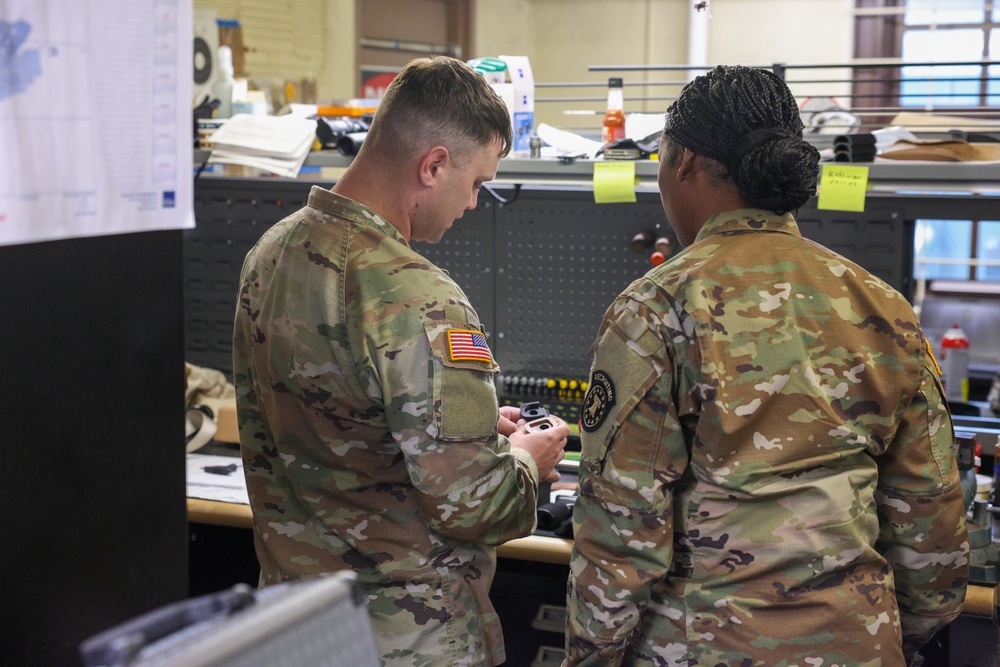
x: 507, y: 424
x: 546, y: 447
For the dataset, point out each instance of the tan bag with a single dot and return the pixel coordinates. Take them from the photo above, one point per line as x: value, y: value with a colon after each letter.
x: 207, y: 391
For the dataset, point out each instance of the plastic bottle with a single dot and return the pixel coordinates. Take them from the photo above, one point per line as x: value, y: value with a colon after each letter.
x: 222, y: 89
x: 955, y: 364
x: 613, y: 127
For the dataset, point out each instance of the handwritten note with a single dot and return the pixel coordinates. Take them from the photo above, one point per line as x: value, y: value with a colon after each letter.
x: 614, y: 182
x: 843, y: 188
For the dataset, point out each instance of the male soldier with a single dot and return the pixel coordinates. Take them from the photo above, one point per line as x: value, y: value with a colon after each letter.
x: 369, y: 425
x: 768, y: 478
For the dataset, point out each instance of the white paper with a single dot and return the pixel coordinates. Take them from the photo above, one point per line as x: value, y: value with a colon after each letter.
x: 228, y: 488
x: 638, y: 126
x: 278, y: 166
x: 278, y: 144
x: 278, y: 136
x: 95, y: 118
x: 301, y: 110
x: 567, y: 143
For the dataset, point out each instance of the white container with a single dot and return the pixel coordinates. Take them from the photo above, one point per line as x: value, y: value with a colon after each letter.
x: 984, y: 484
x: 222, y: 89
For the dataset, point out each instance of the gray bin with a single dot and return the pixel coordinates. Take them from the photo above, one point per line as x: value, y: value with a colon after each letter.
x: 312, y: 622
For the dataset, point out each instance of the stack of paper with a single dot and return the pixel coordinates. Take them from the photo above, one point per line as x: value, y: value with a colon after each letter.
x: 567, y: 143
x: 278, y: 144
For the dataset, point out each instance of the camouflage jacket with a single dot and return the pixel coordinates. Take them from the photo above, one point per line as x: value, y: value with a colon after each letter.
x: 369, y: 437
x: 768, y: 473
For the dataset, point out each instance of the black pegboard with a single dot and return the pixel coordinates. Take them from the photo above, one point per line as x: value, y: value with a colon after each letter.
x: 561, y: 261
x: 230, y: 215
x: 540, y: 270
x: 879, y: 239
x: 466, y: 253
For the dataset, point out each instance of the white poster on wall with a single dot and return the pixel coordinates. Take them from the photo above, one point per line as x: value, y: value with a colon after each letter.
x: 95, y: 118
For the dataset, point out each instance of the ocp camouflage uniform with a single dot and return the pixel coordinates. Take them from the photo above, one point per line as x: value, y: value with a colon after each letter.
x: 768, y: 475
x: 365, y: 445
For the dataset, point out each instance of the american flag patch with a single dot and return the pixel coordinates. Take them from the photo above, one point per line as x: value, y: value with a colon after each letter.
x: 468, y: 346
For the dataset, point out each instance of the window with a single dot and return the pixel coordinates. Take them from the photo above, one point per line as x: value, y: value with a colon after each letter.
x: 924, y: 32
x: 966, y: 31
x: 942, y: 239
x: 951, y: 241
x: 988, y: 250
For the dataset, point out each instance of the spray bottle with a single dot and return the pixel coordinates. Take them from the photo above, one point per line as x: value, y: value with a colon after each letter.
x: 955, y: 364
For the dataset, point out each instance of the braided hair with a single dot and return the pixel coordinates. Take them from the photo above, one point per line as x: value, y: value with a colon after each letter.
x: 747, y: 120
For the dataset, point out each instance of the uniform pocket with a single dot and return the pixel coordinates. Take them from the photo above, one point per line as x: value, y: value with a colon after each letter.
x: 461, y: 378
x: 942, y: 438
x: 622, y: 424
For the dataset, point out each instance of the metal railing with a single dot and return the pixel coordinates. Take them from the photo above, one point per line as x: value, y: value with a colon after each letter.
x: 848, y: 92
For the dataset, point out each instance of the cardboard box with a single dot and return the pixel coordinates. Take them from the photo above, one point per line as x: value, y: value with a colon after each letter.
x: 986, y: 152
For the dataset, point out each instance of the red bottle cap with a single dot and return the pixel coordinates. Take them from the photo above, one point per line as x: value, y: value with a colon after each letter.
x: 955, y: 338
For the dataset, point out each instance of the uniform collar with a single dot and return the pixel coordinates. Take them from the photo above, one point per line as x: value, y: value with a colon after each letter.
x: 342, y: 207
x: 748, y: 220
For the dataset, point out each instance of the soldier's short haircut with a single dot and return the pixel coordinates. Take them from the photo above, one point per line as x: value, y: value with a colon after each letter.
x: 746, y: 119
x: 439, y: 101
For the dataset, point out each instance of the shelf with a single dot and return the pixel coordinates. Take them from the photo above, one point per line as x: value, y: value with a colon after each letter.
x: 927, y: 178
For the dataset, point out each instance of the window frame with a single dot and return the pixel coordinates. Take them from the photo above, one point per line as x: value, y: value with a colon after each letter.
x: 878, y: 35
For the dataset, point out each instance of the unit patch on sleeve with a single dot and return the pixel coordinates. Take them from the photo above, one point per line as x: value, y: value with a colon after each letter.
x: 598, y: 402
x: 467, y: 345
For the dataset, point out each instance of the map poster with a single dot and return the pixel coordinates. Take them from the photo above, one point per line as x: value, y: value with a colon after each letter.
x: 95, y: 118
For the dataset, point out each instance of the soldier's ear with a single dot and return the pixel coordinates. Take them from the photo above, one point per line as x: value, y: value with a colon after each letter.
x: 685, y: 164
x: 431, y: 165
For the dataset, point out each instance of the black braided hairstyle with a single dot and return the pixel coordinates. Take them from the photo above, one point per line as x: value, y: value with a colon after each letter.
x: 748, y: 121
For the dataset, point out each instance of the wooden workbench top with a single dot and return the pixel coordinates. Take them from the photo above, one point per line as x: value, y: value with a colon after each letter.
x: 534, y: 547
x: 979, y: 600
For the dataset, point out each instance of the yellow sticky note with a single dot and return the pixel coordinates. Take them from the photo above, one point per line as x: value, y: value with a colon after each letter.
x: 614, y: 182
x: 843, y: 188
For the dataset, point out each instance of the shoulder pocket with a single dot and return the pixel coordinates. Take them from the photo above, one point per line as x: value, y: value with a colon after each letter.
x: 461, y: 378
x: 940, y: 427
x: 622, y: 375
